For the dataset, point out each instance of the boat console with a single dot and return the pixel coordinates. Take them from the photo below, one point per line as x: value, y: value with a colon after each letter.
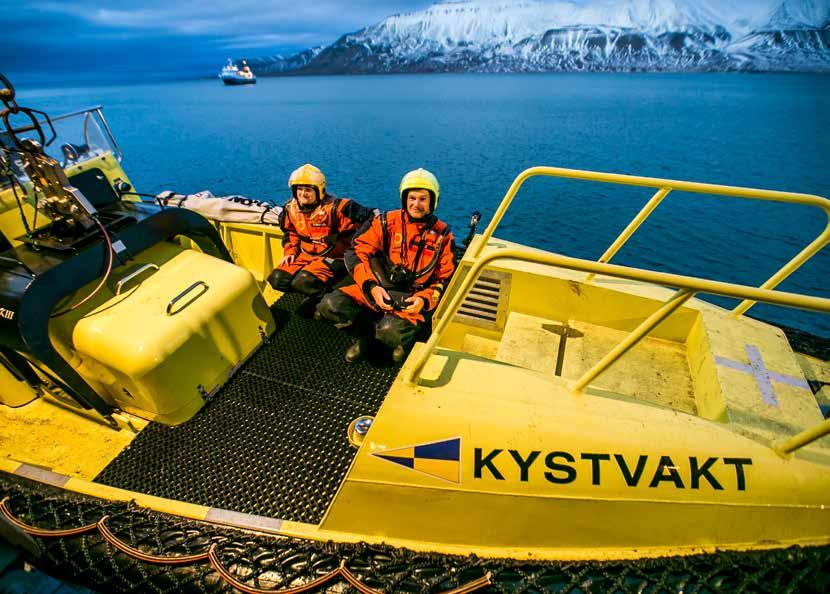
x: 89, y: 234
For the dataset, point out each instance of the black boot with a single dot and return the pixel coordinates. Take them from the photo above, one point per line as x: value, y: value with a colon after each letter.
x: 308, y: 306
x: 398, y: 354
x: 357, y: 351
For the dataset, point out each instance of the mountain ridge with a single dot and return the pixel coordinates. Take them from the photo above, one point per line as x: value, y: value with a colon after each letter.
x: 564, y: 35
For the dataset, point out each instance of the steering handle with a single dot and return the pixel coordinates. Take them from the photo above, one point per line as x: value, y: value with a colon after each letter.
x: 7, y: 92
x: 34, y: 126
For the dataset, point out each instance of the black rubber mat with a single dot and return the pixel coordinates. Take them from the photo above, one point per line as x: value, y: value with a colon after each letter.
x: 273, y: 440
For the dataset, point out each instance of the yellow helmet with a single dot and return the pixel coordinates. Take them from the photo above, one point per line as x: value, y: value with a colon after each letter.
x: 308, y: 175
x: 421, y: 179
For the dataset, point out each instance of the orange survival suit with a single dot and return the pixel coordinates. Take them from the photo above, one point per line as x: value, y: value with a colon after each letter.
x: 394, y: 245
x: 419, y: 255
x: 317, y: 239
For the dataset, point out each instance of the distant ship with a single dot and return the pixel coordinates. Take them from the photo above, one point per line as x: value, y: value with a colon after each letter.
x: 233, y: 75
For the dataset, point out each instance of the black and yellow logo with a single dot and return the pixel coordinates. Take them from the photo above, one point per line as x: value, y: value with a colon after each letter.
x: 441, y: 459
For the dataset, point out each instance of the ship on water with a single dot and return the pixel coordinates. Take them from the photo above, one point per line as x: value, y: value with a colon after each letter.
x: 237, y: 75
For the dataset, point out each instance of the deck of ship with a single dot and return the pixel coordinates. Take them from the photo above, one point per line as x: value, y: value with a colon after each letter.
x: 273, y: 440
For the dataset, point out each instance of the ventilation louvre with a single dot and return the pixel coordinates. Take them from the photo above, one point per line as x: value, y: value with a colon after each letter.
x: 485, y: 301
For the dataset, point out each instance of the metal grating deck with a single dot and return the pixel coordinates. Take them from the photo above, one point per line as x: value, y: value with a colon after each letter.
x: 273, y: 440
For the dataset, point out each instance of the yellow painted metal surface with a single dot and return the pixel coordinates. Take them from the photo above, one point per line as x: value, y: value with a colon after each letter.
x: 142, y: 357
x: 11, y: 224
x: 543, y: 467
x: 257, y: 248
x: 818, y: 371
x: 13, y: 391
x: 795, y: 407
x: 654, y: 371
x: 49, y: 435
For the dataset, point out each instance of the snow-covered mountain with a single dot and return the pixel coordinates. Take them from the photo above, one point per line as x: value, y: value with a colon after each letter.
x: 795, y: 37
x: 556, y: 35
x: 268, y: 65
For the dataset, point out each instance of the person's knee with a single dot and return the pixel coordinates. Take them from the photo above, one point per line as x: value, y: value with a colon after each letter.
x: 280, y: 280
x: 338, y: 308
x: 394, y: 331
x: 306, y: 283
x: 337, y: 269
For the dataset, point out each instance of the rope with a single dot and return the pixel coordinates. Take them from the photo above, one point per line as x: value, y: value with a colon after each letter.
x: 41, y: 531
x: 226, y: 575
x: 141, y: 556
x: 212, y: 556
x: 103, y: 278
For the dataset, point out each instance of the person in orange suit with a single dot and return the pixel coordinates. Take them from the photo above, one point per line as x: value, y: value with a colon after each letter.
x: 401, y: 262
x: 317, y: 229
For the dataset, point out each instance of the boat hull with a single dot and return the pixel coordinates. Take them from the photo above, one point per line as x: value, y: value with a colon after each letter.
x: 238, y: 80
x: 129, y: 541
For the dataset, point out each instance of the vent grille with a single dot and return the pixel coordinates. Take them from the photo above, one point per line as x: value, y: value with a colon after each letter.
x: 483, y: 304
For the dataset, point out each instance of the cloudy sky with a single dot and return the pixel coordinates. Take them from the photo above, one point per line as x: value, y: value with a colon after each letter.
x: 173, y: 36
x: 162, y: 37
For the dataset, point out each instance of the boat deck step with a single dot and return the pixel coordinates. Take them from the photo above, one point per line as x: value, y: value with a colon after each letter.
x: 655, y: 370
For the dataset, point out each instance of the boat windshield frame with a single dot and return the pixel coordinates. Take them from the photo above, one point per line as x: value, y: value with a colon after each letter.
x: 86, y: 118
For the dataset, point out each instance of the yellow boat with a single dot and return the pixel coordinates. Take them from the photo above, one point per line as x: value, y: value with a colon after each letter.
x: 170, y: 422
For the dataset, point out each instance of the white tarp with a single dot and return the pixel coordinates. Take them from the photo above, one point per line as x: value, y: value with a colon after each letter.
x: 230, y: 209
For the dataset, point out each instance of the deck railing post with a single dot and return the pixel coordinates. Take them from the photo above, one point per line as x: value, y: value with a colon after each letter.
x: 808, y: 252
x: 632, y: 227
x: 635, y: 336
x: 505, y: 204
x: 802, y: 439
x: 100, y: 111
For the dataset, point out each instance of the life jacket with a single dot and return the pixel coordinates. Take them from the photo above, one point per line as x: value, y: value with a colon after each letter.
x: 419, y: 258
x: 318, y: 230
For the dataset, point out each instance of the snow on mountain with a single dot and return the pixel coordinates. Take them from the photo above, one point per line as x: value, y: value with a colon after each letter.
x: 800, y: 14
x: 265, y: 66
x: 486, y: 20
x: 556, y: 35
x: 795, y: 36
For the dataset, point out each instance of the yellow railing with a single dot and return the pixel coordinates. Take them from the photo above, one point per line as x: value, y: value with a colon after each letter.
x: 686, y: 286
x: 664, y: 186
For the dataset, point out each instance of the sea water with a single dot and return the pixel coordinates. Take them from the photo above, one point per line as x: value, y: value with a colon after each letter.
x: 477, y: 132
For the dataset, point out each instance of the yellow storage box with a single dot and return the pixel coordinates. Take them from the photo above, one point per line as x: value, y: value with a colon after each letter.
x: 176, y: 325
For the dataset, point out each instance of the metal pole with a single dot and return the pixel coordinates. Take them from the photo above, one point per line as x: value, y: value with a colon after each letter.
x: 100, y: 111
x: 636, y: 335
x: 632, y: 227
x: 802, y: 439
x: 790, y: 267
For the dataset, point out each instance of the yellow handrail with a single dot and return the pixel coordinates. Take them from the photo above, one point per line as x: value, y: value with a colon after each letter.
x: 635, y: 223
x: 799, y: 440
x: 686, y: 285
x: 664, y: 186
x: 633, y: 337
